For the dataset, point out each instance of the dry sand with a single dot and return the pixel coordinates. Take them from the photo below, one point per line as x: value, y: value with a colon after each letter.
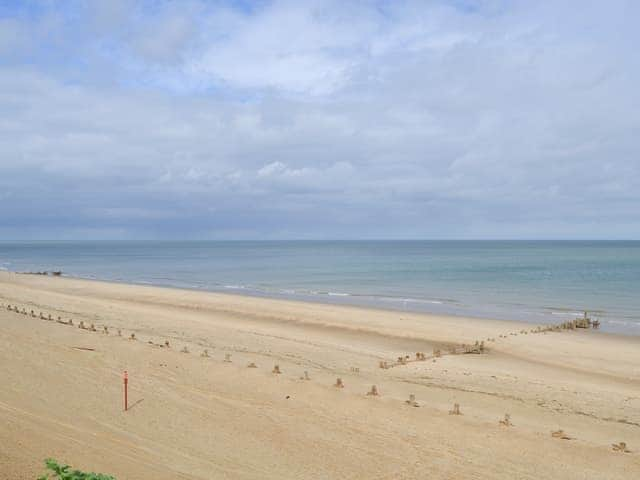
x: 195, y: 417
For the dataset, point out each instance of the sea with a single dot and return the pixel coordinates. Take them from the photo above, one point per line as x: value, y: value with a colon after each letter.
x: 541, y: 282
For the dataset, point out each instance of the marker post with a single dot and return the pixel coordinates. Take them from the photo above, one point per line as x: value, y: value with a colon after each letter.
x: 126, y: 384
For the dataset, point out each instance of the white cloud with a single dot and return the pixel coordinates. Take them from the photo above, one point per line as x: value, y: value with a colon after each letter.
x: 272, y: 169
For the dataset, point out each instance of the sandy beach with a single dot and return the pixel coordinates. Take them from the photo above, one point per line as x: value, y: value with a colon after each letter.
x: 194, y: 415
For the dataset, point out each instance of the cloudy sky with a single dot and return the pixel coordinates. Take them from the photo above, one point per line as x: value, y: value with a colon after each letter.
x: 319, y: 119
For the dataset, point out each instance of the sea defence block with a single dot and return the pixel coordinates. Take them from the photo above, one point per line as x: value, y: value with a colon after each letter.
x: 412, y: 401
x: 506, y: 421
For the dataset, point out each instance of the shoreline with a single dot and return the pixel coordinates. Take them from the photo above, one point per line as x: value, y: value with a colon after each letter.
x: 274, y: 304
x: 375, y: 303
x: 282, y: 301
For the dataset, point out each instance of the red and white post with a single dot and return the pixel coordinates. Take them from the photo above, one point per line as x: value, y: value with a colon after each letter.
x: 126, y: 384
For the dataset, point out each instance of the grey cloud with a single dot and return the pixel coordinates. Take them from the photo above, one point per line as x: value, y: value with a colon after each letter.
x: 421, y: 120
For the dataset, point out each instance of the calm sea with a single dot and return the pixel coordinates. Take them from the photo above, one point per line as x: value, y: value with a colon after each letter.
x: 536, y: 281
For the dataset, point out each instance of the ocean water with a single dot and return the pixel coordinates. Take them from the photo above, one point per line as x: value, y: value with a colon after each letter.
x: 532, y: 281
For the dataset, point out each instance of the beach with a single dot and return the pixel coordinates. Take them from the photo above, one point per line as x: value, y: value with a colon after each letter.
x: 194, y: 415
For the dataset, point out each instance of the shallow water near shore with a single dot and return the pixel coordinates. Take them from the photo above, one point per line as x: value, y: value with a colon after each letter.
x: 534, y: 281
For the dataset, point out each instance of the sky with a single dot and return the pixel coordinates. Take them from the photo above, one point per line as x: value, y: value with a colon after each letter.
x: 194, y: 119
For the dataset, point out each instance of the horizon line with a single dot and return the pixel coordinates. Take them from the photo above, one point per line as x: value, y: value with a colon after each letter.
x: 323, y: 240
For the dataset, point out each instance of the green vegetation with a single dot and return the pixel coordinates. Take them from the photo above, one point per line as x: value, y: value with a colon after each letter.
x: 63, y: 472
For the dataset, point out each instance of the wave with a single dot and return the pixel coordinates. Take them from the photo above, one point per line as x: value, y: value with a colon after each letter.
x: 405, y: 300
x: 568, y: 314
x: 336, y: 294
x: 369, y: 296
x: 628, y: 324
